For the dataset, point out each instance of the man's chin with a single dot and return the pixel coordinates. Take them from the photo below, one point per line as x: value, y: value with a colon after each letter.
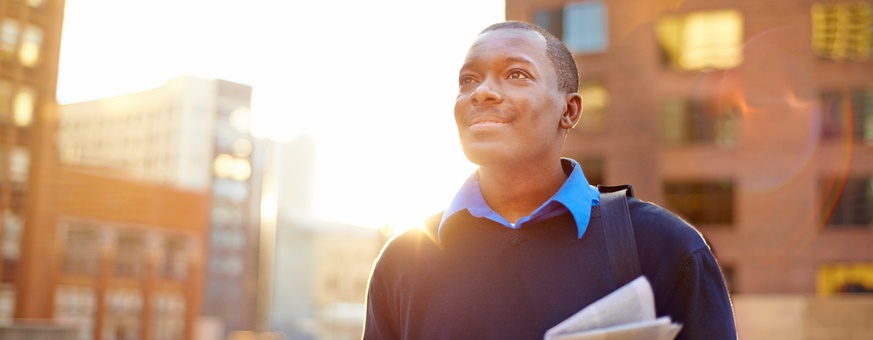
x: 481, y: 155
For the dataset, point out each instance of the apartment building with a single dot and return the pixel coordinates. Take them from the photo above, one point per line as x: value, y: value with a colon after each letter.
x: 753, y: 120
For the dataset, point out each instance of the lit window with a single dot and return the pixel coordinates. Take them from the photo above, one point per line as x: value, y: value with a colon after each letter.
x: 240, y: 119
x: 585, y: 29
x: 595, y: 99
x: 227, y: 166
x: 35, y: 3
x: 847, y: 204
x: 842, y: 31
x: 22, y: 107
x: 844, y: 278
x: 690, y: 121
x: 705, y: 203
x: 847, y: 115
x: 702, y: 40
x: 31, y: 42
x: 8, y: 38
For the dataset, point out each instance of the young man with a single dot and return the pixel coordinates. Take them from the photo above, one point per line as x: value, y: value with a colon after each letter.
x: 521, y: 247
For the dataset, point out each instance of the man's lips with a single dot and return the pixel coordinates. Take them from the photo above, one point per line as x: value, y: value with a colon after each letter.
x: 489, y: 121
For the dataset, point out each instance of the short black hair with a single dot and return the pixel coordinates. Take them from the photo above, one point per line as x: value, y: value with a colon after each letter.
x: 559, y: 55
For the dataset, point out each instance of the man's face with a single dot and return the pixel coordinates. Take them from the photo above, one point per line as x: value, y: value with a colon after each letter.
x: 509, y: 107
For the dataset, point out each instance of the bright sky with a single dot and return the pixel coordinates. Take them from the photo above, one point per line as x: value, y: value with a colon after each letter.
x: 373, y: 82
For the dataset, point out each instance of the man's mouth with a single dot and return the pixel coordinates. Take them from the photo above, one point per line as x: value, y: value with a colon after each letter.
x: 488, y: 122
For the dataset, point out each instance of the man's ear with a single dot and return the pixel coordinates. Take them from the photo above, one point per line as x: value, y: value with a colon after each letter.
x: 572, y: 111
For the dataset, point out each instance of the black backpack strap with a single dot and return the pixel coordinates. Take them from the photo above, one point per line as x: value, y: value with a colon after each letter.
x: 621, y: 246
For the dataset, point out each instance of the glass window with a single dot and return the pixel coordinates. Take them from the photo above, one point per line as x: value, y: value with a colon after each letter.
x: 585, y: 27
x: 843, y: 278
x: 552, y: 21
x: 702, y: 202
x: 7, y: 302
x: 175, y: 258
x: 595, y: 99
x: 130, y: 254
x: 13, y: 225
x: 35, y: 3
x: 9, y: 30
x: 842, y: 31
x: 686, y: 121
x: 702, y: 40
x: 82, y: 251
x: 23, y: 106
x: 19, y: 165
x: 122, y: 313
x: 76, y: 305
x: 168, y: 315
x: 28, y: 53
x: 847, y: 204
x: 847, y: 114
x: 593, y: 169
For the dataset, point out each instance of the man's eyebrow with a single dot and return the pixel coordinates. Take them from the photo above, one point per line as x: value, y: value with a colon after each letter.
x: 507, y: 60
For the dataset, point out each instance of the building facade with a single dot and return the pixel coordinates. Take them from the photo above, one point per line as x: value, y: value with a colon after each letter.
x: 30, y: 34
x: 752, y: 120
x: 191, y: 134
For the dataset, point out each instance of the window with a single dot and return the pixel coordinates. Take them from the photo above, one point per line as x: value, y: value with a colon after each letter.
x: 23, y: 106
x: 687, y: 121
x: 168, y: 315
x: 175, y: 258
x: 701, y: 40
x: 8, y: 38
x: 585, y: 29
x: 581, y: 25
x: 847, y: 114
x: 19, y: 166
x: 552, y: 21
x: 77, y: 305
x: 122, y: 313
x: 842, y: 278
x: 842, y: 31
x: 28, y: 53
x: 130, y: 254
x: 847, y: 205
x: 702, y: 202
x: 595, y: 99
x: 82, y: 251
x: 593, y: 169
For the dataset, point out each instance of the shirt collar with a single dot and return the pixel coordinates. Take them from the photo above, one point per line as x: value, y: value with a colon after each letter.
x: 576, y: 195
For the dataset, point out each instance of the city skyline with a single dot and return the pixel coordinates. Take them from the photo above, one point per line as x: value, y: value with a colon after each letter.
x: 377, y: 131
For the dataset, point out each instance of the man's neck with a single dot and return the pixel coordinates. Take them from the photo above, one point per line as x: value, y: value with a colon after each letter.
x: 516, y: 192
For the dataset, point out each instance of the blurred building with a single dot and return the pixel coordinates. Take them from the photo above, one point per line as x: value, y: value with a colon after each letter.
x: 30, y: 33
x: 191, y: 134
x: 753, y: 120
x: 321, y: 268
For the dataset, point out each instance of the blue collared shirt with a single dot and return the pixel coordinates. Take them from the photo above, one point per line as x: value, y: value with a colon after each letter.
x: 575, y: 195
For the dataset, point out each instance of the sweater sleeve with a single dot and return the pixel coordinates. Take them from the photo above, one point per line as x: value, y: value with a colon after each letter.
x: 700, y: 301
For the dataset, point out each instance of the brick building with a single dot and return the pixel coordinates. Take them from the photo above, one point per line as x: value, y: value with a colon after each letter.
x: 753, y: 120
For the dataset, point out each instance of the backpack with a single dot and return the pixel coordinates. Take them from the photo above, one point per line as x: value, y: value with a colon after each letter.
x: 617, y: 228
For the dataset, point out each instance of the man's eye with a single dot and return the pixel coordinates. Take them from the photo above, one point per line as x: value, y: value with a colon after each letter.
x: 466, y: 80
x: 517, y: 75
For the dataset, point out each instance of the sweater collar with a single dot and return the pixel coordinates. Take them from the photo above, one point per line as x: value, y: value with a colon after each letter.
x: 575, y: 196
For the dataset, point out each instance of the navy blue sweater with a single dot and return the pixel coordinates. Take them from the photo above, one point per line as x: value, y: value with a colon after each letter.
x: 487, y: 281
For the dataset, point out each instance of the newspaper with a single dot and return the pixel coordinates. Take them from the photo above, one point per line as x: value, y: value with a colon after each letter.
x: 625, y: 314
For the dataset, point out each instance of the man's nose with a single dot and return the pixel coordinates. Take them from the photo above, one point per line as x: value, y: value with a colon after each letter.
x: 485, y: 93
